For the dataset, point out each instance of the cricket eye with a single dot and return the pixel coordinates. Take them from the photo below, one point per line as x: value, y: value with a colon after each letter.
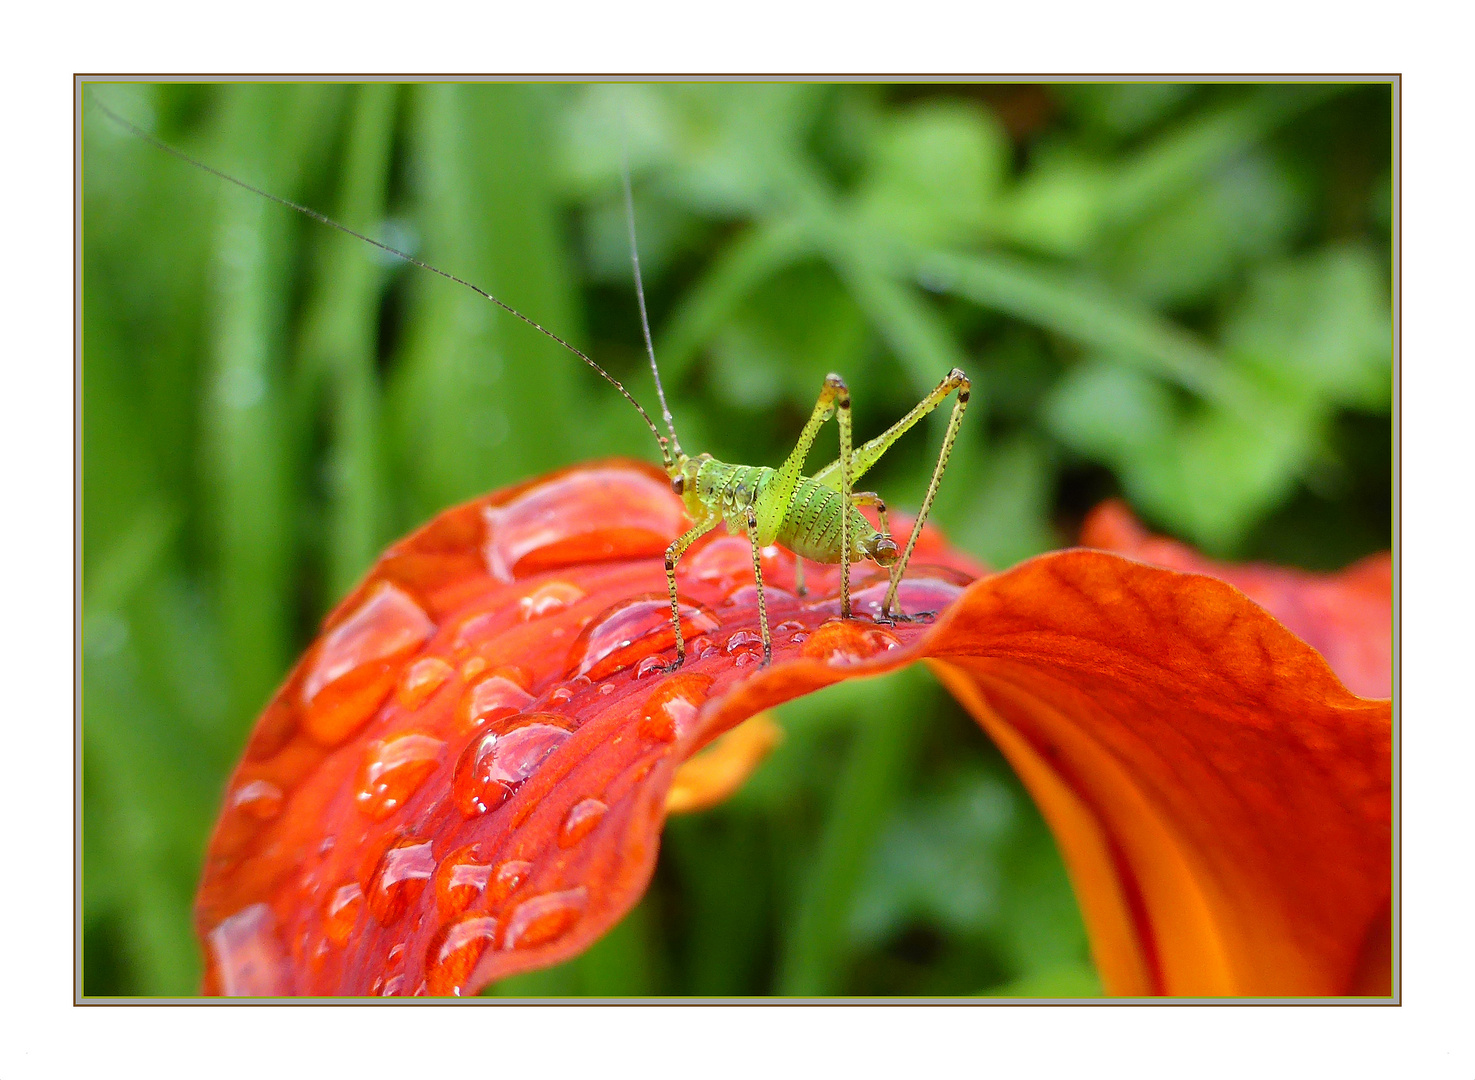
x: 678, y: 483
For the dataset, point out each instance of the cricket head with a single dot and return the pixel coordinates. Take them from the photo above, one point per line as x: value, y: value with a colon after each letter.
x: 682, y: 470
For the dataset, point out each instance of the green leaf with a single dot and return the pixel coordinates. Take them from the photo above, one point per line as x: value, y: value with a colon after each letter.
x: 1320, y: 326
x: 935, y: 173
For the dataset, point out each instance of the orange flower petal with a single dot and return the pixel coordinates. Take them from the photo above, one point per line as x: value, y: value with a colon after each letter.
x: 1222, y: 802
x: 718, y: 771
x: 1346, y: 616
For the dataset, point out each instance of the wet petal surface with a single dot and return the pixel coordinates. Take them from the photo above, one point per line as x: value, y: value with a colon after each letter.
x: 1221, y: 800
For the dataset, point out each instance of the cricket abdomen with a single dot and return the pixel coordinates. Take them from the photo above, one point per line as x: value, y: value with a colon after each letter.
x: 811, y: 528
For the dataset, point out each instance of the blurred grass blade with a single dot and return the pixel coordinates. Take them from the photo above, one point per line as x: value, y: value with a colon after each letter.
x: 1083, y: 313
x: 1180, y: 159
x: 880, y: 758
x: 340, y: 338
x: 736, y: 272
x: 266, y: 131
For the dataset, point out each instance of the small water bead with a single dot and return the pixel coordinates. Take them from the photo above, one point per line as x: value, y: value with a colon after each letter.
x: 341, y: 912
x: 788, y: 627
x: 582, y: 819
x: 510, y: 877
x: 632, y: 630
x: 393, y: 769
x: 353, y: 671
x: 799, y: 639
x: 496, y: 764
x: 744, y: 639
x: 838, y: 642
x: 246, y: 956
x: 493, y: 698
x: 454, y: 952
x: 743, y: 659
x: 422, y: 679
x: 547, y: 599
x: 542, y: 919
x: 606, y: 689
x: 560, y: 695
x: 649, y: 666
x: 260, y: 800
x: 390, y: 987
x: 400, y: 879
x: 459, y: 879
x: 672, y: 707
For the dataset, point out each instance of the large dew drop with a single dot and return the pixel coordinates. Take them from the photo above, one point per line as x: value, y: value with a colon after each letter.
x: 454, y: 951
x: 847, y: 643
x: 493, y: 698
x: 459, y: 880
x: 399, y: 879
x: 582, y: 819
x: 623, y: 635
x: 667, y: 714
x: 496, y: 764
x: 246, y: 957
x: 545, y: 918
x: 391, y: 771
x: 341, y: 912
x: 622, y: 514
x: 353, y: 671
x: 509, y: 877
x: 424, y: 678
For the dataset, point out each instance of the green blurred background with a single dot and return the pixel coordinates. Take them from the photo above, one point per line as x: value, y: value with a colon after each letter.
x: 1175, y: 293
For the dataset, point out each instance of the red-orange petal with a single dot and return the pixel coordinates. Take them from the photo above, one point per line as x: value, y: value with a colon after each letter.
x: 1221, y: 801
x: 1346, y: 616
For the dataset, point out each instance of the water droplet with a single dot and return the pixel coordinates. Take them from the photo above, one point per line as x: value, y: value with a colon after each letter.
x: 341, y: 912
x: 454, y: 951
x: 494, y: 698
x: 390, y: 987
x: 424, y: 677
x: 787, y: 627
x: 743, y: 659
x: 915, y: 594
x: 799, y: 639
x: 581, y: 820
x: 547, y: 599
x: 246, y: 956
x: 559, y: 696
x: 632, y: 630
x: 726, y: 560
x: 459, y: 880
x: 472, y: 668
x: 747, y: 596
x: 647, y: 666
x: 837, y: 642
x: 353, y: 670
x: 496, y: 764
x: 591, y: 515
x: 400, y: 879
x: 545, y: 918
x: 392, y: 770
x: 260, y: 800
x: 744, y: 639
x: 509, y: 877
x: 606, y: 689
x: 274, y: 730
x: 671, y: 708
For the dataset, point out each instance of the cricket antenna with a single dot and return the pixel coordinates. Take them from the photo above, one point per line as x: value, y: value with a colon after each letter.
x: 324, y: 219
x: 640, y: 297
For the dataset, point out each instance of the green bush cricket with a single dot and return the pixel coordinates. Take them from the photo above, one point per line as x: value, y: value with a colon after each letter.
x: 815, y: 517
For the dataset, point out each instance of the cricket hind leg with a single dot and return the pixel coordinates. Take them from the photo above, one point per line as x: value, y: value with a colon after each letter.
x: 673, y: 553
x: 956, y: 380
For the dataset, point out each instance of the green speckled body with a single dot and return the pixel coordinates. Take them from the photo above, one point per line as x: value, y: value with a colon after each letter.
x: 809, y: 526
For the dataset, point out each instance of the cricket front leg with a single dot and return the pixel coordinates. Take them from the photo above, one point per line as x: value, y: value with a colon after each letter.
x: 758, y: 579
x: 674, y: 552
